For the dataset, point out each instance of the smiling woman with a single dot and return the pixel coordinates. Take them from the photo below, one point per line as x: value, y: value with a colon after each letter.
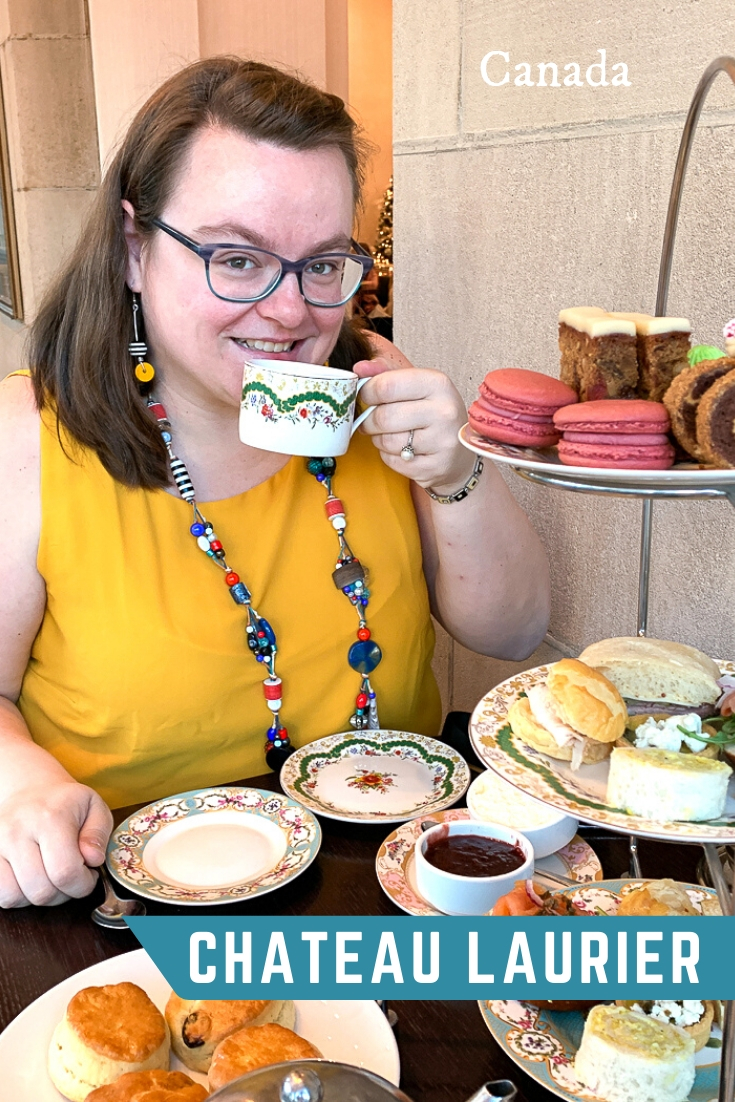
x: 126, y: 664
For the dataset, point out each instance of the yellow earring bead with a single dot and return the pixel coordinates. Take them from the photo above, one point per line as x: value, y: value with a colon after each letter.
x: 144, y: 372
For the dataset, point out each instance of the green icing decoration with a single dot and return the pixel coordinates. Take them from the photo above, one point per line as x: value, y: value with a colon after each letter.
x: 704, y: 352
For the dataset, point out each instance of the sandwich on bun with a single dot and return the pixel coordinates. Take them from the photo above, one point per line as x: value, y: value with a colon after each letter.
x: 575, y: 715
x: 655, y: 676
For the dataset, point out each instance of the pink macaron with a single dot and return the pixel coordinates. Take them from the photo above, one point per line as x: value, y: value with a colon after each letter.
x: 516, y: 406
x: 626, y: 434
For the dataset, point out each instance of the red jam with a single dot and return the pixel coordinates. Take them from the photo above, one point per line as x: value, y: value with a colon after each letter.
x: 473, y: 855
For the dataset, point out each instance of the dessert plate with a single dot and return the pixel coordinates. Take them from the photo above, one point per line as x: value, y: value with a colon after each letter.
x: 214, y: 845
x: 394, y: 864
x: 351, y: 1032
x: 375, y: 776
x: 682, y: 476
x: 583, y: 793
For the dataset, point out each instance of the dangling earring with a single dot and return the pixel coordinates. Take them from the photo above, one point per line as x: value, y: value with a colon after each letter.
x: 138, y: 349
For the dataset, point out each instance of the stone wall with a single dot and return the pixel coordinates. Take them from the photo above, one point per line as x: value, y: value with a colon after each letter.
x: 513, y: 202
x: 49, y: 106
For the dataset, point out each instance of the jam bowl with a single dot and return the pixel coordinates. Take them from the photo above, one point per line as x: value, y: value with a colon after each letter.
x: 464, y: 867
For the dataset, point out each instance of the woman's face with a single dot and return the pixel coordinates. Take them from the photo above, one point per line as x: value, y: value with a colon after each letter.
x: 234, y: 190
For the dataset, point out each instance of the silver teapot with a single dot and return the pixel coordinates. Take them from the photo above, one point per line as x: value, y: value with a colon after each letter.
x: 326, y: 1081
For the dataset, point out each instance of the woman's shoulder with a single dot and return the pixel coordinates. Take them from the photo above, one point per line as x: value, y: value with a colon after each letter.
x: 20, y: 421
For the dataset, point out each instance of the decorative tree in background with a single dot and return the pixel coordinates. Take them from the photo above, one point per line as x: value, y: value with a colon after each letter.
x: 384, y: 244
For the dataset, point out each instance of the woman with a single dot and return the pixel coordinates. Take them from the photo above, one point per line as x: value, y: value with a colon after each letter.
x: 125, y: 671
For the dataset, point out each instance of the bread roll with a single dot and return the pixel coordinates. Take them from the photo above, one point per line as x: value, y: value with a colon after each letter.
x: 105, y: 1033
x: 151, y: 1086
x: 653, y: 669
x: 625, y: 1056
x: 665, y: 786
x: 198, y: 1025
x: 529, y: 731
x: 586, y: 700
x: 254, y: 1047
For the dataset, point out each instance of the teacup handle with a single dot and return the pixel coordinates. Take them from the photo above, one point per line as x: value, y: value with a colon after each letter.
x: 366, y: 412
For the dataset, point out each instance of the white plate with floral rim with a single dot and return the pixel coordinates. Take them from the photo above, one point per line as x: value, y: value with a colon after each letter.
x: 583, y: 793
x: 213, y: 845
x: 354, y: 1032
x: 375, y: 776
x: 397, y: 875
x: 545, y: 461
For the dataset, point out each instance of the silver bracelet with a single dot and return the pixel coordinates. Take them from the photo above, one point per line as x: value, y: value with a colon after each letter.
x: 462, y: 493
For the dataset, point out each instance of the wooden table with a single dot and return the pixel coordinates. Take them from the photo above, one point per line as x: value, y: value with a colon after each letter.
x: 446, y: 1050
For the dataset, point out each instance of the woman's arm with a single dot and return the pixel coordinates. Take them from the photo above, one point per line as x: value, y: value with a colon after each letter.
x: 51, y: 827
x: 486, y: 570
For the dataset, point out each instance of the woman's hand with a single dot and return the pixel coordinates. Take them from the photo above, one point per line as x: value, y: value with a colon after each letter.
x: 50, y: 833
x: 427, y: 403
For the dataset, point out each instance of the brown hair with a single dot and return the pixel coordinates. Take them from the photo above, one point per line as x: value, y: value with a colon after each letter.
x: 78, y: 349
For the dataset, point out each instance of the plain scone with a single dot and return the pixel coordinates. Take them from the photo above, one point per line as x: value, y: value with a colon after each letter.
x: 151, y: 1086
x: 256, y: 1047
x: 105, y: 1033
x: 625, y: 1056
x: 198, y: 1025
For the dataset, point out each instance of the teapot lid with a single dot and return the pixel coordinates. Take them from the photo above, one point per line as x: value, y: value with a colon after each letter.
x: 310, y: 1081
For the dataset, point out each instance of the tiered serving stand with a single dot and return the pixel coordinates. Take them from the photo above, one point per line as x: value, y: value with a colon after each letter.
x: 680, y: 484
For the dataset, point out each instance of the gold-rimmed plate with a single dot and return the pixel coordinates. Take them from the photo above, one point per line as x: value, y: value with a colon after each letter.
x: 396, y: 874
x: 581, y: 793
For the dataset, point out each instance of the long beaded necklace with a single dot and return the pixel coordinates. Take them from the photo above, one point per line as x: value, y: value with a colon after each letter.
x: 349, y: 576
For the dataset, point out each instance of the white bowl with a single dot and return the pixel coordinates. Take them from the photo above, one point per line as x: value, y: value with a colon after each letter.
x: 490, y: 798
x: 455, y: 894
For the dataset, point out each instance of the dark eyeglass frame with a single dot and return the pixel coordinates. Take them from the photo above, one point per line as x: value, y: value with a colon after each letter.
x: 206, y: 252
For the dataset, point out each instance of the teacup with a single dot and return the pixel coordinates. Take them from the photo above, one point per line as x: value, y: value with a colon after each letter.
x: 298, y: 408
x: 457, y: 894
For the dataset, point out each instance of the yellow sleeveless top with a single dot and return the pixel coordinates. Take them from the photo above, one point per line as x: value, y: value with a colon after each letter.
x: 140, y: 681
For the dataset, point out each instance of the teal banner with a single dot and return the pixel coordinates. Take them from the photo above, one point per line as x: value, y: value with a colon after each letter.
x: 447, y: 958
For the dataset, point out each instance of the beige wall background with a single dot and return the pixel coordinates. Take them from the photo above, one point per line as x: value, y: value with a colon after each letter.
x: 74, y: 72
x: 514, y: 202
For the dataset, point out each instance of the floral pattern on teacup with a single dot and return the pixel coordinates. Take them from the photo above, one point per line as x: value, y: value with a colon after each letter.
x: 312, y: 407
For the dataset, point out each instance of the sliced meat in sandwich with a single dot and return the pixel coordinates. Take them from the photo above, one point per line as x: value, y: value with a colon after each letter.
x: 575, y: 715
x: 656, y: 676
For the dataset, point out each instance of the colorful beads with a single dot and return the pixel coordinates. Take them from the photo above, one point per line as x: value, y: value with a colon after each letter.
x: 197, y: 529
x: 363, y: 634
x: 215, y: 545
x: 144, y: 372
x: 232, y: 578
x: 364, y: 657
x: 241, y: 596
x: 361, y: 700
x: 334, y: 507
x: 266, y: 631
x: 203, y: 543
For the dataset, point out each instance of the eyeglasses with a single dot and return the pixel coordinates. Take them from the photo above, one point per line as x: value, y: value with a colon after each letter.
x: 244, y: 273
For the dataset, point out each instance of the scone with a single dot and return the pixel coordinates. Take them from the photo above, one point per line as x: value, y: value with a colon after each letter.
x: 254, y: 1047
x: 105, y: 1033
x: 151, y: 1086
x: 198, y: 1025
